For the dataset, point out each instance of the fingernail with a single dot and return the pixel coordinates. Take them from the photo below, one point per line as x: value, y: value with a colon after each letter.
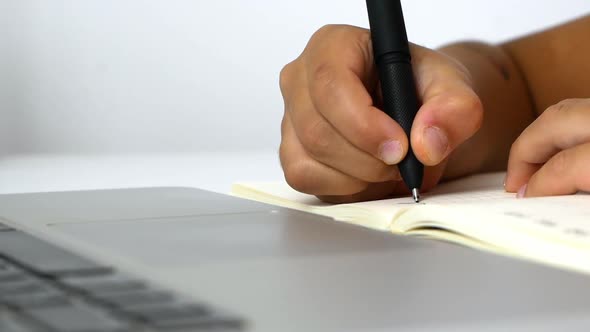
x: 521, y: 192
x: 437, y: 143
x: 391, y: 152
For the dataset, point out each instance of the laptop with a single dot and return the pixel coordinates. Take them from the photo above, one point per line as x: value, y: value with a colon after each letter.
x: 184, y: 259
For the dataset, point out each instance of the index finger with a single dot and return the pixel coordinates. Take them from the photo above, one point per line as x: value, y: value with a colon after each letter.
x: 338, y: 79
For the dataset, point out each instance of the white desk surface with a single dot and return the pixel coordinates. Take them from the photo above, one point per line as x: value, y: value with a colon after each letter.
x: 211, y: 171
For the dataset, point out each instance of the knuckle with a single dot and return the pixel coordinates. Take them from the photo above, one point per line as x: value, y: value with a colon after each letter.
x: 466, y: 102
x: 559, y: 108
x: 298, y: 176
x: 326, y: 29
x: 468, y: 110
x: 516, y: 148
x: 284, y: 152
x: 362, y: 128
x: 550, y: 112
x: 473, y: 105
x: 285, y: 77
x: 461, y: 70
x: 317, y: 139
x: 345, y: 40
x: 560, y: 162
x: 364, y: 39
x: 323, y: 78
x: 295, y: 170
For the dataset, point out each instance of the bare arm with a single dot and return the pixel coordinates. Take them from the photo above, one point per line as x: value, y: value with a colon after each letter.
x: 554, y: 63
x: 516, y: 82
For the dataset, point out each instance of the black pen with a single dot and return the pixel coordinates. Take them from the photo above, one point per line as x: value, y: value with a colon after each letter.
x: 392, y: 58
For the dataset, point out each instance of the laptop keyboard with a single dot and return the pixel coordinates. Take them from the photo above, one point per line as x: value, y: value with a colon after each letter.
x: 44, y: 288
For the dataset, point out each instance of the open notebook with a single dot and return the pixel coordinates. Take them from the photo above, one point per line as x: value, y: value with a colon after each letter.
x: 473, y: 211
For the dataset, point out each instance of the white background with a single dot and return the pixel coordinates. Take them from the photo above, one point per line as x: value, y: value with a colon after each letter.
x: 139, y: 76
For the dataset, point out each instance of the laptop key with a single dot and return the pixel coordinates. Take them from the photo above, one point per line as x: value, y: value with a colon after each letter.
x: 76, y: 319
x: 169, y: 311
x: 27, y: 287
x: 105, y: 284
x: 45, y: 257
x: 138, y: 298
x: 39, y: 300
x: 55, y: 290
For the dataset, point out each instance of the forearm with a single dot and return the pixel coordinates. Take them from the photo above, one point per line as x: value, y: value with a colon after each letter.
x: 554, y: 62
x: 508, y: 108
x: 516, y: 82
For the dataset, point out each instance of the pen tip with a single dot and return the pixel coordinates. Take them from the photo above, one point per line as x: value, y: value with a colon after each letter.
x: 416, y: 194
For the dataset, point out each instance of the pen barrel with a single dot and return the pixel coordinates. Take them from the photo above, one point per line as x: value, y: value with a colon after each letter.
x: 400, y: 102
x: 388, y: 28
x: 394, y: 64
x: 400, y: 99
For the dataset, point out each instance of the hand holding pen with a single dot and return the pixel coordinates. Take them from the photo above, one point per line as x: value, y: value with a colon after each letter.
x: 339, y: 145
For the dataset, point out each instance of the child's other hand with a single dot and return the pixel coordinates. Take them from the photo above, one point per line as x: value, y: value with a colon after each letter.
x: 336, y: 142
x: 552, y: 155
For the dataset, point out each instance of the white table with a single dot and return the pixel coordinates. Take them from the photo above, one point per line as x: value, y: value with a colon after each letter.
x: 211, y: 171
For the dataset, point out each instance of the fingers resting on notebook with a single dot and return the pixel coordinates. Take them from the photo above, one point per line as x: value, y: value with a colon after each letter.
x: 337, y: 143
x: 552, y: 155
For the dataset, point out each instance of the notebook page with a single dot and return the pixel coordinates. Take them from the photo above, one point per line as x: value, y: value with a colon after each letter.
x: 475, y: 188
x: 276, y: 193
x: 552, y: 230
x: 377, y: 214
x: 483, y: 193
x: 373, y: 214
x: 563, y: 218
x: 503, y: 234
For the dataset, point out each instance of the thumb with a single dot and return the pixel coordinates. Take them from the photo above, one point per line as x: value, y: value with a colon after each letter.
x: 451, y: 111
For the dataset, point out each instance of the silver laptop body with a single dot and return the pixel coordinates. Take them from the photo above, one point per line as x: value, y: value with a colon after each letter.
x: 182, y: 259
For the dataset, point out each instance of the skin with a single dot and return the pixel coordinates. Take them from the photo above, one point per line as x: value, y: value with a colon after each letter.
x: 484, y: 108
